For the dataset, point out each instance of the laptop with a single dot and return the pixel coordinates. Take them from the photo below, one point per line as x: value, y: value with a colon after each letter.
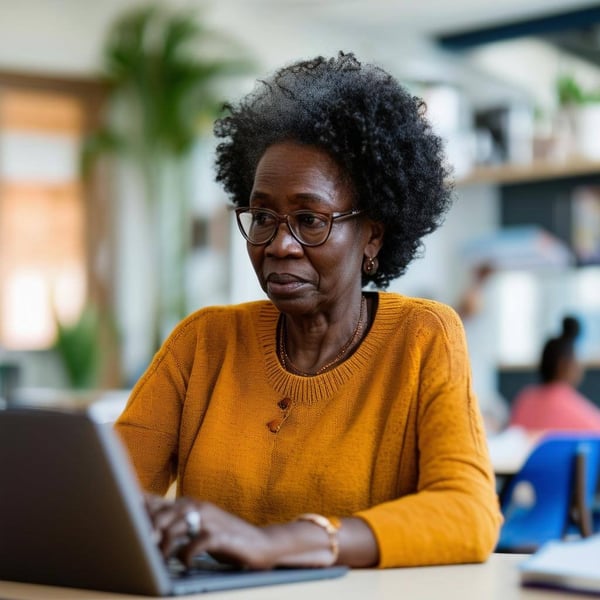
x: 72, y: 514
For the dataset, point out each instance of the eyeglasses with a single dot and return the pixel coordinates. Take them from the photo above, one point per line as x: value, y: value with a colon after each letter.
x: 259, y: 225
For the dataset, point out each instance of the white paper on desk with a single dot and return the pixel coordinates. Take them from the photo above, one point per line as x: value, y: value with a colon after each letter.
x: 509, y: 449
x: 571, y: 565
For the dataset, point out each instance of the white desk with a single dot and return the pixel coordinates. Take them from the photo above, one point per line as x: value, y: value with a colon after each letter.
x: 509, y: 450
x: 495, y: 580
x: 103, y: 405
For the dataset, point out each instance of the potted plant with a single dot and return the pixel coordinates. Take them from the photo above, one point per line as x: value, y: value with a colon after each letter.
x: 77, y: 345
x: 583, y: 109
x: 162, y: 67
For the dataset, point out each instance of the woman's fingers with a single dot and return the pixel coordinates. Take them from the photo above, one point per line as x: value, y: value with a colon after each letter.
x: 230, y: 539
x: 186, y: 528
x: 170, y: 522
x: 154, y: 502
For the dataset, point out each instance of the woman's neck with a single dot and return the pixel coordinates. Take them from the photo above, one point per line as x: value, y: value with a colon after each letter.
x: 318, y: 345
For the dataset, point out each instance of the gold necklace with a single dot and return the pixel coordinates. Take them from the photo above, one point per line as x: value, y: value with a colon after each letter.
x: 289, y: 365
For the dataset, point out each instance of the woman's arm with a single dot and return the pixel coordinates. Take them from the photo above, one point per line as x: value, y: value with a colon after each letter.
x: 151, y: 422
x: 453, y: 516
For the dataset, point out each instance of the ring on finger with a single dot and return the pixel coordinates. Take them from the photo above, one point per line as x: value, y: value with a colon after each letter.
x: 193, y: 521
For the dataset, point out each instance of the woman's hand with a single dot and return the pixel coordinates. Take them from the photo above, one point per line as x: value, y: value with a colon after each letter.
x: 225, y: 536
x: 232, y: 540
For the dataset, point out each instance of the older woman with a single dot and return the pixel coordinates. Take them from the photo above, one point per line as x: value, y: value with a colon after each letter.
x: 326, y: 424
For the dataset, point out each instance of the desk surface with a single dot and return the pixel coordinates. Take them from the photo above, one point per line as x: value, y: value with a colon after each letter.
x: 497, y: 579
x: 510, y: 448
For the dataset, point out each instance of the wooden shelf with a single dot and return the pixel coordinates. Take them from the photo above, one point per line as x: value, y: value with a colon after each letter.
x: 508, y: 174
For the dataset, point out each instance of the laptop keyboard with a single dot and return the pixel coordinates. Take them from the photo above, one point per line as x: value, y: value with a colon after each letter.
x: 202, y: 565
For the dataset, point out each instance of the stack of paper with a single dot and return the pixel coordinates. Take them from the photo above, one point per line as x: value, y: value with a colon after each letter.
x: 570, y: 565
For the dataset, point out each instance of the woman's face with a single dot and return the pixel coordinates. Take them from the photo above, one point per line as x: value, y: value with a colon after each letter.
x: 299, y: 279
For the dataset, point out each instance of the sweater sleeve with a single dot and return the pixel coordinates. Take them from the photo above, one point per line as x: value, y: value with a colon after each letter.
x: 149, y: 425
x: 453, y: 517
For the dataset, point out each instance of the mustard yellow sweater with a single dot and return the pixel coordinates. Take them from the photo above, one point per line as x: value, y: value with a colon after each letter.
x: 392, y: 435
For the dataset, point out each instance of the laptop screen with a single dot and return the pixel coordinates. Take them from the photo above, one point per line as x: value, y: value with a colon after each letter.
x: 72, y: 514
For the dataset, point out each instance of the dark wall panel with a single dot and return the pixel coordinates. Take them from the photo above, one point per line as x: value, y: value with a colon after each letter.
x: 512, y: 381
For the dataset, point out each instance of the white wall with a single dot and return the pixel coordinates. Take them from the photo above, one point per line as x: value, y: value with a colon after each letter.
x: 54, y: 36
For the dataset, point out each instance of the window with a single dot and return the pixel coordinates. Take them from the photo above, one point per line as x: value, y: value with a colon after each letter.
x: 46, y: 248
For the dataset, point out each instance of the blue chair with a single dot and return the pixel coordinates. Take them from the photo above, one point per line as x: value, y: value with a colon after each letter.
x: 553, y: 493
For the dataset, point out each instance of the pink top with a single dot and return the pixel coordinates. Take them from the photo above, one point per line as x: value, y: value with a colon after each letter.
x: 554, y: 406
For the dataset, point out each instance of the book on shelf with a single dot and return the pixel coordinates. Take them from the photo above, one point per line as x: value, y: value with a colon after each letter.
x: 518, y: 247
x: 586, y: 224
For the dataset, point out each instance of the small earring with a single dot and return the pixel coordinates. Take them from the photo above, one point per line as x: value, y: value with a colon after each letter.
x: 370, y: 265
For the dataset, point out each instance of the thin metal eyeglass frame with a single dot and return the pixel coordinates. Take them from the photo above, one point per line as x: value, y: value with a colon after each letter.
x: 332, y: 217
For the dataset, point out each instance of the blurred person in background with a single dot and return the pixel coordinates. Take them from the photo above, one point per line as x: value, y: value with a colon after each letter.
x: 555, y: 403
x: 471, y: 307
x: 471, y: 302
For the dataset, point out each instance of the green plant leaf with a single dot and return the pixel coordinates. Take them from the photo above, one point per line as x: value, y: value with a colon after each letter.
x: 96, y: 144
x: 568, y: 91
x: 79, y: 349
x: 166, y: 64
